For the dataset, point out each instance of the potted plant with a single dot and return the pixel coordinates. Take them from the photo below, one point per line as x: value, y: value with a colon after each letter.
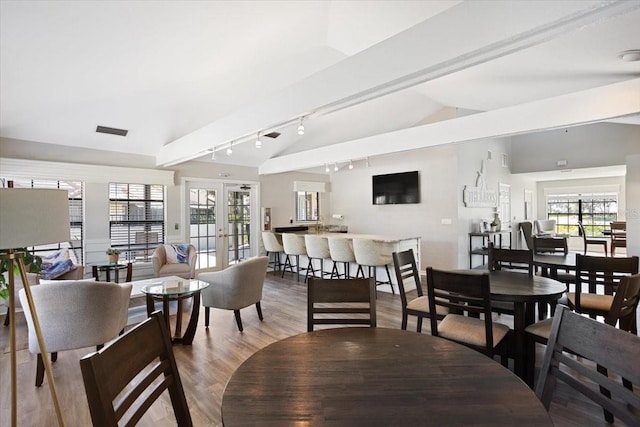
x: 33, y: 264
x: 114, y: 254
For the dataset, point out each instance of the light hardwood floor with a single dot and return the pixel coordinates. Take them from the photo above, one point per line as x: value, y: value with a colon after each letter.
x: 206, y: 366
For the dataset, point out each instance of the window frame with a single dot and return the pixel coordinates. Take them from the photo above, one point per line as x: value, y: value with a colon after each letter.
x: 304, y: 204
x: 577, y: 209
x: 124, y: 212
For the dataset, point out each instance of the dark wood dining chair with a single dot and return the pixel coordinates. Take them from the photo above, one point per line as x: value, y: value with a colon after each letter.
x: 593, y: 274
x: 407, y: 274
x: 341, y: 302
x: 550, y: 245
x: 591, y: 240
x: 508, y: 259
x: 466, y: 292
x: 618, y: 235
x: 610, y: 349
x: 527, y: 232
x: 137, y: 368
x: 622, y: 313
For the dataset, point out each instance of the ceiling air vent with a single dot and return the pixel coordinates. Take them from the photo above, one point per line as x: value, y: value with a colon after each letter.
x: 273, y: 135
x: 112, y: 131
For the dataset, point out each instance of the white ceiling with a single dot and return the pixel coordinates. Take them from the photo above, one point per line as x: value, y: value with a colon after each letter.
x: 172, y: 72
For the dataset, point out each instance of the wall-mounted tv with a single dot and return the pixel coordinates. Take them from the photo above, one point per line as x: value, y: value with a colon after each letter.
x: 396, y: 188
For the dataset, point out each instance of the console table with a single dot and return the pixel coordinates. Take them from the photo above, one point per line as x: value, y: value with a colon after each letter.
x: 485, y: 237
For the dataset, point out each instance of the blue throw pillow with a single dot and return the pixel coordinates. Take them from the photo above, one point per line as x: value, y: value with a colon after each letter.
x: 177, y: 254
x: 56, y: 269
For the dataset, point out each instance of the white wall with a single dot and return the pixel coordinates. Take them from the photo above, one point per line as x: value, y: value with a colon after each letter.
x: 277, y: 194
x: 596, y: 145
x: 351, y: 196
x: 633, y: 205
x: 469, y: 160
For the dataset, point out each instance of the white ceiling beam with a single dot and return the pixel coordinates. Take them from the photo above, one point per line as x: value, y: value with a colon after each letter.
x: 588, y: 106
x: 431, y: 49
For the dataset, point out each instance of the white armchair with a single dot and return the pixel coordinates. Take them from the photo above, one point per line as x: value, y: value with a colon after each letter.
x: 235, y: 287
x: 75, y: 314
x: 163, y: 268
x: 545, y: 227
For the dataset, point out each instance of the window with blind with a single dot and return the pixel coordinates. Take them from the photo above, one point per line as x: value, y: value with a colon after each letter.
x: 76, y: 215
x: 595, y: 210
x: 307, y: 205
x: 136, y: 219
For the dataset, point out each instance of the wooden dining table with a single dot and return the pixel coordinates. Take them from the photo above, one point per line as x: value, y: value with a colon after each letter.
x: 524, y: 292
x: 551, y: 263
x: 376, y: 376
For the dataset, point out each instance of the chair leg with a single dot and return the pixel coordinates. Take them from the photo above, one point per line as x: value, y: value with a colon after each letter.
x: 419, y: 324
x: 359, y: 271
x: 404, y: 321
x: 259, y: 309
x: 238, y: 319
x: 6, y: 318
x: 206, y: 317
x: 390, y: 282
x: 39, y: 370
x: 334, y: 270
x: 287, y: 261
x: 309, y: 269
x: 54, y: 357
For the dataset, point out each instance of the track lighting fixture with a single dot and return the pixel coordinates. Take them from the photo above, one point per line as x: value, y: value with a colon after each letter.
x: 301, y: 128
x: 335, y: 167
x: 230, y: 149
x: 326, y: 168
x: 213, y: 154
x: 258, y: 142
x: 350, y: 164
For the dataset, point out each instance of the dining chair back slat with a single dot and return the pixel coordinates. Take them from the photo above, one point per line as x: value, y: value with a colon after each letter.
x: 407, y: 274
x: 610, y: 349
x: 136, y: 368
x: 550, y: 245
x: 347, y: 300
x: 510, y: 259
x: 463, y: 292
x: 594, y: 272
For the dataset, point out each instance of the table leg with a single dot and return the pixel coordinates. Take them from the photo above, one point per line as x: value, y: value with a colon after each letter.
x: 190, y: 332
x: 116, y: 275
x: 178, y: 332
x: 167, y: 313
x: 519, y: 323
x: 108, y: 270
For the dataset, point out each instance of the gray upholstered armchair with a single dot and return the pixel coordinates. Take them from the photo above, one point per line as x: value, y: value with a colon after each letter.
x: 75, y: 314
x: 163, y: 268
x: 235, y: 287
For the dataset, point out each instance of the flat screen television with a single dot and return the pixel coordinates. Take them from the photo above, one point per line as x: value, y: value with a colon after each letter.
x: 396, y: 188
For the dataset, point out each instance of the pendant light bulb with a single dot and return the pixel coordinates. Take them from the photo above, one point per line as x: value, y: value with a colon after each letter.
x: 230, y: 149
x: 258, y: 142
x: 350, y: 164
x: 326, y: 168
x: 301, y: 128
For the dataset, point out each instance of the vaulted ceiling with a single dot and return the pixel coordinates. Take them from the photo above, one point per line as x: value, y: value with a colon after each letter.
x: 189, y: 77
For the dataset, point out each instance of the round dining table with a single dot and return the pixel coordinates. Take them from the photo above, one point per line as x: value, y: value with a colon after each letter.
x: 373, y: 377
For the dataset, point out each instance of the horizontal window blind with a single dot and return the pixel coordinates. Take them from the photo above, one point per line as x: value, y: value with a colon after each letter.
x: 136, y: 219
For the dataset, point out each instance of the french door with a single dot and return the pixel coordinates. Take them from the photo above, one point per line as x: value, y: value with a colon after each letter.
x: 223, y: 222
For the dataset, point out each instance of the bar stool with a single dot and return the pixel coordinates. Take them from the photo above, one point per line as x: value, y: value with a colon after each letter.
x: 341, y: 250
x: 369, y: 253
x: 293, y: 246
x: 317, y: 248
x: 273, y: 246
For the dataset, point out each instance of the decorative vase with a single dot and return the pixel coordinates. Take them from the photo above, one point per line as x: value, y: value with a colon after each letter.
x: 496, y: 222
x: 113, y: 259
